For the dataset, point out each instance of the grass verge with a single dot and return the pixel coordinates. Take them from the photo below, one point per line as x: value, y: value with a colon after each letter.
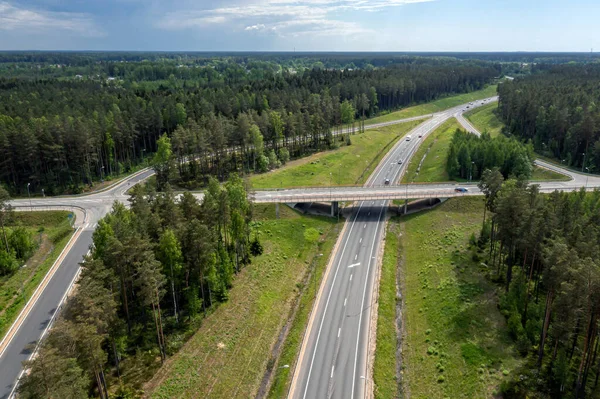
x: 229, y: 353
x: 435, y: 146
x: 345, y: 166
x: 385, y: 366
x: 456, y: 342
x: 545, y: 174
x: 485, y: 119
x: 435, y: 106
x: 54, y: 231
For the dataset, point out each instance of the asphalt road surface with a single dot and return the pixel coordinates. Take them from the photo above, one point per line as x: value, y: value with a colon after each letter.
x: 331, y: 366
x: 334, y: 354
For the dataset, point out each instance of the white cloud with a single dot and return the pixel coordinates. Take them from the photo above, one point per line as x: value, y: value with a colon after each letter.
x: 15, y: 18
x: 255, y: 27
x: 282, y: 17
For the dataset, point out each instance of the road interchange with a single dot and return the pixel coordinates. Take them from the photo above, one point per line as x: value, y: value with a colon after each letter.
x: 340, y: 369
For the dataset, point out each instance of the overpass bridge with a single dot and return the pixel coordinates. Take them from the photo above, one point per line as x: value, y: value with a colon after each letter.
x: 405, y: 191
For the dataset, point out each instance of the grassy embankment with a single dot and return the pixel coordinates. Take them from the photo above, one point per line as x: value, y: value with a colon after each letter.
x: 347, y: 165
x: 455, y: 341
x: 485, y: 118
x: 435, y: 106
x: 52, y: 229
x: 228, y: 355
x: 384, y: 368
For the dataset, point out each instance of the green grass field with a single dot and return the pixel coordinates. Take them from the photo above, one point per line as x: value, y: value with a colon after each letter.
x: 347, y: 165
x: 435, y: 106
x: 484, y: 118
x: 384, y: 368
x: 433, y: 168
x: 228, y: 355
x: 456, y: 343
x: 52, y: 230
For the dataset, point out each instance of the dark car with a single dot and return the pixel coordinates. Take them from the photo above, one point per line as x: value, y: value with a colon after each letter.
x: 461, y: 189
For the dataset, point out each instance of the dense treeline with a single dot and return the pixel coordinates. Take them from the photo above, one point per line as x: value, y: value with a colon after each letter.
x: 59, y: 135
x: 544, y: 250
x: 557, y: 108
x: 153, y: 269
x: 469, y: 155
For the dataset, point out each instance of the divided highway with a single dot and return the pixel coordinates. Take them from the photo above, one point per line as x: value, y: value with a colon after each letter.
x: 334, y: 354
x: 333, y: 360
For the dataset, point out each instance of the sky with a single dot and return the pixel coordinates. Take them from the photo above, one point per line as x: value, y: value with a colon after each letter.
x: 301, y: 25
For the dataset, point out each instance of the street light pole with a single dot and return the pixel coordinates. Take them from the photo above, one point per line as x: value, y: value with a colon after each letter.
x: 102, y: 173
x: 471, y: 171
x: 586, y: 178
x: 583, y: 164
x: 29, y: 195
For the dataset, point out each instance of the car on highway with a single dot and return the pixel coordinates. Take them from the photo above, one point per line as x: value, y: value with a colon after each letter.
x: 400, y: 162
x: 387, y: 182
x: 461, y: 189
x: 408, y: 137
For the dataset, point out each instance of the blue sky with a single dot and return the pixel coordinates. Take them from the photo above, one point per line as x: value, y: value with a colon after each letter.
x: 282, y: 25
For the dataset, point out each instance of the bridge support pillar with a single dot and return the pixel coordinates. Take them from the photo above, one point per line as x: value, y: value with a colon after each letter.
x: 277, y: 210
x: 405, y: 206
x: 335, y: 208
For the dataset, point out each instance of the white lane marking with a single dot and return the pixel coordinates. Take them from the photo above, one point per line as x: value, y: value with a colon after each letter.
x: 360, y: 241
x: 327, y: 302
x: 355, y: 256
x: 332, y: 368
x: 362, y: 306
x: 354, y: 265
x: 350, y: 277
x: 365, y: 226
x: 345, y: 299
x: 339, y: 331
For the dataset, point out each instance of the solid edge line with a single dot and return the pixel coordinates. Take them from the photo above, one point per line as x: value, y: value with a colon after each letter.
x: 50, y: 324
x: 14, y: 328
x: 362, y: 305
x: 308, y: 329
x: 328, y: 298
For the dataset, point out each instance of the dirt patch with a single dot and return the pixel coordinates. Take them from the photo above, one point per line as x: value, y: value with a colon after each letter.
x: 40, y: 255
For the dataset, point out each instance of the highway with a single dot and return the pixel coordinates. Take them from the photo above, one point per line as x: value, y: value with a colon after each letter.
x: 330, y: 365
x: 335, y: 350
